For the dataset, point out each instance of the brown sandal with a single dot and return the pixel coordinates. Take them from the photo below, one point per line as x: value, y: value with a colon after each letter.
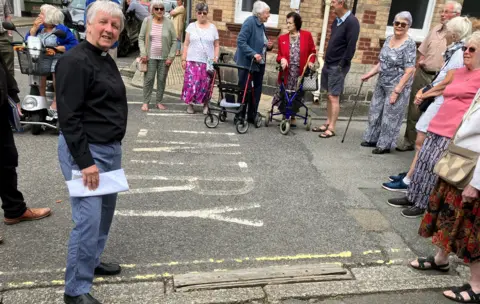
x: 326, y: 135
x: 322, y: 128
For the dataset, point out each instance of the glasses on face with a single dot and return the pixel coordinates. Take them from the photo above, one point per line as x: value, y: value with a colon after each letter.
x: 400, y: 24
x: 470, y: 49
x: 159, y: 9
x: 202, y: 13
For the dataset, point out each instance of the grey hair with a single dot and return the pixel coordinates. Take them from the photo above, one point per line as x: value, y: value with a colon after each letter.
x: 474, y: 39
x: 259, y: 7
x: 108, y: 7
x: 52, y: 14
x: 156, y: 3
x: 201, y: 7
x: 460, y: 26
x: 404, y: 15
x: 457, y: 7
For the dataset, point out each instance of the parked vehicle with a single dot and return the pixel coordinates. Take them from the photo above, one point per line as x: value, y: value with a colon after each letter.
x: 35, y: 60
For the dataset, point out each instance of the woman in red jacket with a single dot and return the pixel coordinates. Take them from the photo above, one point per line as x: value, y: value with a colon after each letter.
x: 293, y: 51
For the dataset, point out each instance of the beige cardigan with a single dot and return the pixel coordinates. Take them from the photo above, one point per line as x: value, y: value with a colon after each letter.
x: 169, y: 38
x: 179, y: 20
x: 468, y: 136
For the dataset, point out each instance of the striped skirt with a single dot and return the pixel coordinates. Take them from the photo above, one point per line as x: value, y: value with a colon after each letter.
x: 423, y: 179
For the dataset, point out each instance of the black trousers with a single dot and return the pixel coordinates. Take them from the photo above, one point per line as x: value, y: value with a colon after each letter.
x: 13, y: 203
x: 252, y: 107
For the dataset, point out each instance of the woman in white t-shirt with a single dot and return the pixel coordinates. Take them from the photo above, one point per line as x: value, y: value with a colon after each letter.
x: 201, y: 44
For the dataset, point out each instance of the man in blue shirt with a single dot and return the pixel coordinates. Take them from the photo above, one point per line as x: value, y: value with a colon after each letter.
x: 340, y: 51
x: 113, y: 50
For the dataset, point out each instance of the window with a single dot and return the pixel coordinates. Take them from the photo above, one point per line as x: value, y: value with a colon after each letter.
x: 243, y: 10
x: 471, y: 8
x: 422, y: 13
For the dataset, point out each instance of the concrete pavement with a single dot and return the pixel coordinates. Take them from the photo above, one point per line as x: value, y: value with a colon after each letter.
x: 213, y: 201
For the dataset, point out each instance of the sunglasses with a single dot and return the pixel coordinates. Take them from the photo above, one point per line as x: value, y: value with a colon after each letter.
x: 401, y: 24
x: 159, y: 9
x: 202, y: 13
x: 470, y: 49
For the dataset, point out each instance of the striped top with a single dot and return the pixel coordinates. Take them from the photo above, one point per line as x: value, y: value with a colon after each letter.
x: 156, y: 45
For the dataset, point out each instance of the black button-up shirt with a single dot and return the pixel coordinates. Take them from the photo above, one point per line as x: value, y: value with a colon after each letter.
x: 91, y: 100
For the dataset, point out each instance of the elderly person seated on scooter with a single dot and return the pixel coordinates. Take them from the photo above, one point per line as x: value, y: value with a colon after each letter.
x: 49, y: 20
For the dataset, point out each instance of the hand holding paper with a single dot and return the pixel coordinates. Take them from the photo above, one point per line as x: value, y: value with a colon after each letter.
x: 108, y: 183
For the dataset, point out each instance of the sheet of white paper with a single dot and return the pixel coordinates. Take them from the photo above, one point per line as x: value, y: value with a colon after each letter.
x: 110, y: 182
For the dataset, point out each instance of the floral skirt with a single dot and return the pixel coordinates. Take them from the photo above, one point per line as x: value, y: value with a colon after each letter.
x: 196, y: 83
x: 453, y: 225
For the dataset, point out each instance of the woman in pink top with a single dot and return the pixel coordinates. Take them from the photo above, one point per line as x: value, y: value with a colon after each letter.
x: 458, y: 97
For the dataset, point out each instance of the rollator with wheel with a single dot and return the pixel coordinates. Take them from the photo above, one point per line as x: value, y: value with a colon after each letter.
x: 233, y: 98
x: 290, y: 101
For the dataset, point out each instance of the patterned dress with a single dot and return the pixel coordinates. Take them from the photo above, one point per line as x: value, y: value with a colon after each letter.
x: 293, y: 74
x: 385, y: 119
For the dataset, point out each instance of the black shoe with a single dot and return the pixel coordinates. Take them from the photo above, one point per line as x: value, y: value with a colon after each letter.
x: 107, y: 269
x: 413, y: 212
x: 83, y: 299
x: 368, y: 144
x: 401, y: 202
x: 380, y: 151
x: 405, y: 148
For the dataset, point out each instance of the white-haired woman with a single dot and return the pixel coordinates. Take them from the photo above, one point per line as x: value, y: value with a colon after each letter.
x: 395, y: 69
x: 458, y: 29
x: 156, y: 41
x: 201, y: 44
x: 49, y: 20
x: 93, y: 110
x: 253, y: 44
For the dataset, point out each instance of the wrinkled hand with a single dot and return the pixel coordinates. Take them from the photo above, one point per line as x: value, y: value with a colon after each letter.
x: 311, y: 65
x: 470, y: 194
x: 38, y: 21
x: 365, y: 77
x: 91, y: 177
x: 19, y: 110
x: 393, y: 98
x: 184, y: 65
x: 418, y: 98
x: 168, y: 62
x: 10, y: 33
x: 283, y: 63
x: 258, y: 57
x: 144, y: 59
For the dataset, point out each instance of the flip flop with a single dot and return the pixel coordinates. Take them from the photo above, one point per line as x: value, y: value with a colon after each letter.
x: 325, y: 135
x: 322, y: 128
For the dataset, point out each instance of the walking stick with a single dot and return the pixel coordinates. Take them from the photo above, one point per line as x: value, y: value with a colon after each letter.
x: 353, y: 109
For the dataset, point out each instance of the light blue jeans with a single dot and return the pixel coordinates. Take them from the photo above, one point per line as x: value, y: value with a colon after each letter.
x: 92, y: 217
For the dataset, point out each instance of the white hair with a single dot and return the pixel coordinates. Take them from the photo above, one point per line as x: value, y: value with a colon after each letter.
x: 53, y: 15
x: 259, y: 7
x: 108, y: 7
x: 404, y: 15
x: 474, y: 39
x: 156, y: 3
x: 457, y: 7
x: 460, y: 26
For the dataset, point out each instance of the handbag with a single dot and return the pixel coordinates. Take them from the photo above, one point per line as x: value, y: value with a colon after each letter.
x: 143, y: 66
x: 210, y: 68
x: 310, y: 77
x: 457, y: 165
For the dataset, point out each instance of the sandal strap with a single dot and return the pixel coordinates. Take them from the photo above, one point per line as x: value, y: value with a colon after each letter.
x: 473, y: 296
x: 430, y: 259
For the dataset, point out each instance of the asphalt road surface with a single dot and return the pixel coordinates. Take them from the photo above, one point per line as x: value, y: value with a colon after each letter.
x: 210, y: 199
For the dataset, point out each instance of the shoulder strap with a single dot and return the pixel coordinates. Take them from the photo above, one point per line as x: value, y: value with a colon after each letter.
x: 201, y: 41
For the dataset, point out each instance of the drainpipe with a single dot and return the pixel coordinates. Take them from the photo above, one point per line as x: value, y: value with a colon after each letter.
x: 321, y: 49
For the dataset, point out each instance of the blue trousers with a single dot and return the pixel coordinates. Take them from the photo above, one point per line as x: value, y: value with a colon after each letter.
x: 92, y: 217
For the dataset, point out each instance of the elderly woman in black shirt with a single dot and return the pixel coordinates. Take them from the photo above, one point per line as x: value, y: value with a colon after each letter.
x: 92, y: 110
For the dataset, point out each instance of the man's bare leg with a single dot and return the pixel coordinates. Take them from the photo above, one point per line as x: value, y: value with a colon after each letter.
x: 334, y: 102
